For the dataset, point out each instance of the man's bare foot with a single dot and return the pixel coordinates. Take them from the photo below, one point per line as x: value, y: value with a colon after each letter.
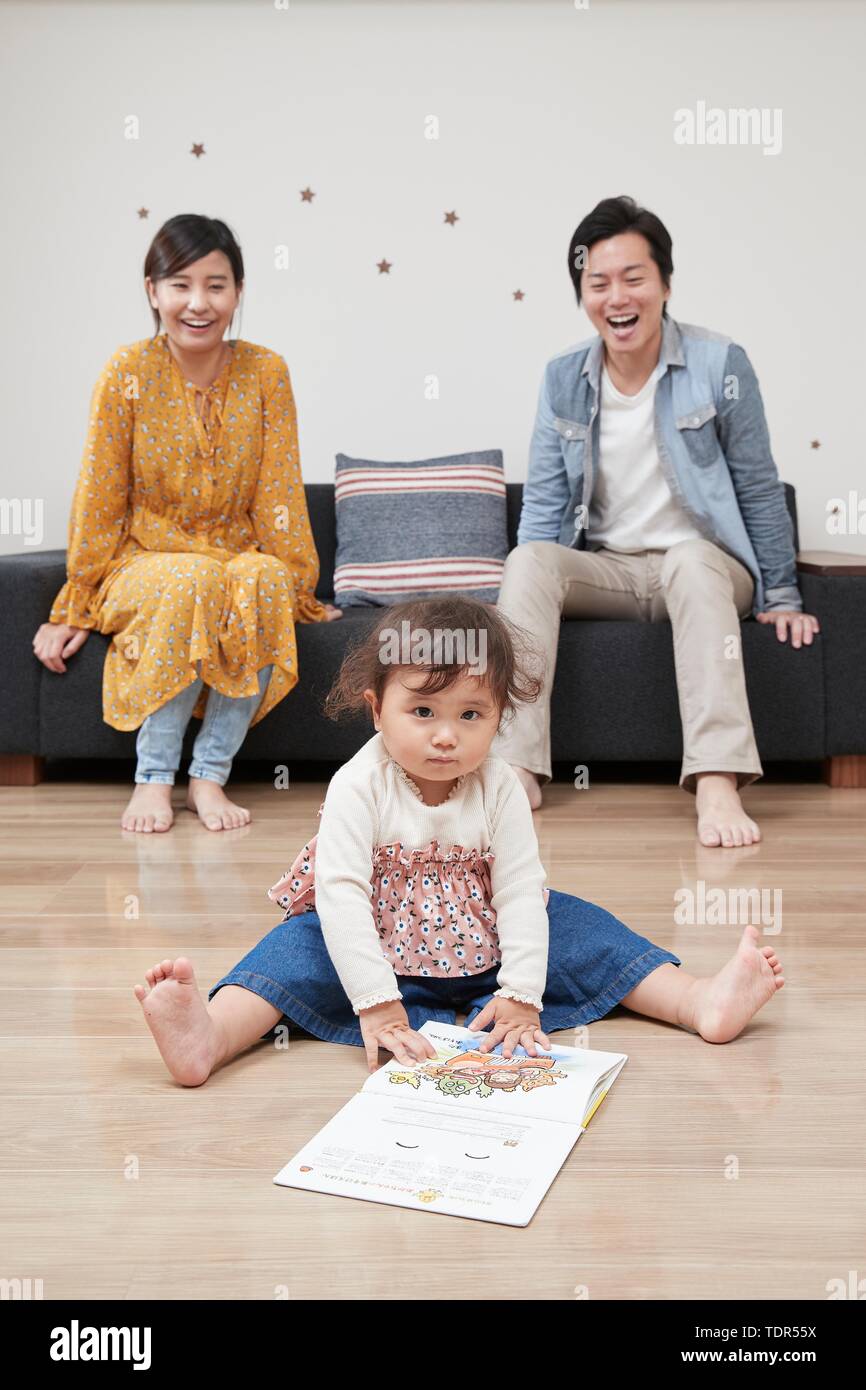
x: 721, y: 818
x: 719, y: 1006
x: 177, y: 1017
x: 213, y: 807
x: 531, y: 785
x: 149, y: 808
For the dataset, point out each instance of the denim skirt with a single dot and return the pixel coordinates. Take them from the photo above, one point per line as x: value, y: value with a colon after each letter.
x: 593, y: 961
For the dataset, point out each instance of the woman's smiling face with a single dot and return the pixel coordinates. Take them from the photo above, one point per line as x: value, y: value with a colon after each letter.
x: 196, y: 304
x: 621, y: 281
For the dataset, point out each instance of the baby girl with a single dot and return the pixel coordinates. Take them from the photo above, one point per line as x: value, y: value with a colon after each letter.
x: 422, y: 894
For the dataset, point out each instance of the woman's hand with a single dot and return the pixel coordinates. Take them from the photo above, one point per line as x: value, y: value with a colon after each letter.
x: 387, y: 1026
x: 332, y: 612
x: 802, y: 625
x: 513, y: 1023
x: 54, y: 641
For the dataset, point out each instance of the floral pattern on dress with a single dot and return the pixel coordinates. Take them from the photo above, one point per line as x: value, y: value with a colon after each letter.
x: 189, y: 536
x: 430, y: 909
x: 430, y: 905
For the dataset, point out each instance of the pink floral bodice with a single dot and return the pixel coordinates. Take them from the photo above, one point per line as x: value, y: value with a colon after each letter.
x: 430, y: 906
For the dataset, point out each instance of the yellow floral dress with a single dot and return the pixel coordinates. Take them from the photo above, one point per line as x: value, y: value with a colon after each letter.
x: 189, y: 538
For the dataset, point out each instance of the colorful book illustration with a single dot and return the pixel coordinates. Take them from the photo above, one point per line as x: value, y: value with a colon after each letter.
x: 466, y: 1133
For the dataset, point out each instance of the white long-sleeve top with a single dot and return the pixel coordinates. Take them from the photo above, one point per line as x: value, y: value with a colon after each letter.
x: 372, y: 802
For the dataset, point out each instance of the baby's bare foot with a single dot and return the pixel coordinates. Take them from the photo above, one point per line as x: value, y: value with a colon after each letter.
x: 213, y: 807
x: 721, y: 818
x: 149, y: 808
x: 179, y: 1021
x: 531, y: 784
x: 720, y: 1006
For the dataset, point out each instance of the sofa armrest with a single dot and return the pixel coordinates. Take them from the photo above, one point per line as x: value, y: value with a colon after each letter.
x: 29, y: 583
x: 834, y: 591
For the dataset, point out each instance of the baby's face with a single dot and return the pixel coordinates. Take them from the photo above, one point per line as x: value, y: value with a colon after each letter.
x: 436, y: 738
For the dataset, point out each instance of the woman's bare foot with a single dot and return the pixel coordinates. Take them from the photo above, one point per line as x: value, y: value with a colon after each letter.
x: 177, y: 1017
x: 531, y: 785
x: 721, y: 818
x: 719, y: 1006
x: 213, y: 807
x: 149, y: 808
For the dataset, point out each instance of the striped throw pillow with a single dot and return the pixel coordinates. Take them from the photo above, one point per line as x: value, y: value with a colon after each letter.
x: 418, y: 530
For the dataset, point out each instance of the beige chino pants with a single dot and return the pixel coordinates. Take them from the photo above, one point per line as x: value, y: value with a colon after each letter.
x: 701, y: 589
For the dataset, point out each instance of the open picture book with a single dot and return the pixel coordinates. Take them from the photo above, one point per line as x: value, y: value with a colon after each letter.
x: 466, y: 1133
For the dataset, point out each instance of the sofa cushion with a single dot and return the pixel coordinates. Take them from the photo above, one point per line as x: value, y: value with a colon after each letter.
x: 420, y: 529
x: 614, y: 698
x: 614, y: 695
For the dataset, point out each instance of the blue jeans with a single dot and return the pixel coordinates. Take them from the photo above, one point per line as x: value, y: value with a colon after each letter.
x: 160, y: 738
x: 593, y: 961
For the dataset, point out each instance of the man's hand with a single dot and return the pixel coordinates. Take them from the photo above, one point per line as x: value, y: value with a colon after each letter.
x: 513, y: 1023
x: 802, y: 626
x: 387, y: 1026
x: 332, y: 612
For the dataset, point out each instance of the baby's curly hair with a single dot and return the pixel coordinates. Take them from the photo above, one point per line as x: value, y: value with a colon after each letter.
x: 513, y: 663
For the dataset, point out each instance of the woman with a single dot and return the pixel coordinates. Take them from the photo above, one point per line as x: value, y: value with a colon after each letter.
x: 653, y: 496
x: 189, y: 539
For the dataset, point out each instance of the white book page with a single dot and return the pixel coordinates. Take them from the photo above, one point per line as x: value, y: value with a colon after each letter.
x: 396, y: 1149
x: 562, y: 1084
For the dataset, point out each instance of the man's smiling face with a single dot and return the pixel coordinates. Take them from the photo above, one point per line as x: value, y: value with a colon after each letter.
x: 623, y: 293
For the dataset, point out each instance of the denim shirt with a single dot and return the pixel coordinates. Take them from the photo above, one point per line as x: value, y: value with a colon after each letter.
x: 713, y: 448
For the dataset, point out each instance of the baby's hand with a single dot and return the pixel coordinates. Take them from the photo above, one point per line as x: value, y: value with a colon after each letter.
x: 387, y: 1026
x: 513, y: 1023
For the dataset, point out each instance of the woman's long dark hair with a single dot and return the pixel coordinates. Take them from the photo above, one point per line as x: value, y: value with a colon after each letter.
x: 184, y: 239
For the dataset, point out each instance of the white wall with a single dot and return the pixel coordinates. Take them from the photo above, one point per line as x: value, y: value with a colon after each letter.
x: 543, y: 109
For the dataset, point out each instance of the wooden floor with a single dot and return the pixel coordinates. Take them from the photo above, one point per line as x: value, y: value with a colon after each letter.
x: 121, y: 1184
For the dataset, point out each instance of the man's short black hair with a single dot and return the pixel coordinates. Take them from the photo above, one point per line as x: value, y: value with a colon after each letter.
x: 612, y: 217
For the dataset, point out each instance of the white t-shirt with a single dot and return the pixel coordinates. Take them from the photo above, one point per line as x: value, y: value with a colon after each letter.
x: 632, y: 507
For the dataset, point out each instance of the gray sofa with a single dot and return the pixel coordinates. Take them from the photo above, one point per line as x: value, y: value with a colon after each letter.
x: 614, y: 697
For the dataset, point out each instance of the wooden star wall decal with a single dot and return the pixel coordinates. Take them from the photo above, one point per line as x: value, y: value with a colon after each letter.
x: 143, y: 212
x: 384, y: 267
x: 816, y: 444
x: 307, y: 195
x: 198, y: 151
x: 451, y: 218
x: 518, y: 294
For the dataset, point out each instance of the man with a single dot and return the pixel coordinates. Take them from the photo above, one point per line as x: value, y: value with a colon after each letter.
x: 652, y: 494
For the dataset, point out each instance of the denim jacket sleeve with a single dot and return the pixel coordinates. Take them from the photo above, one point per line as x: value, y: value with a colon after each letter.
x: 745, y: 441
x: 546, y: 490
